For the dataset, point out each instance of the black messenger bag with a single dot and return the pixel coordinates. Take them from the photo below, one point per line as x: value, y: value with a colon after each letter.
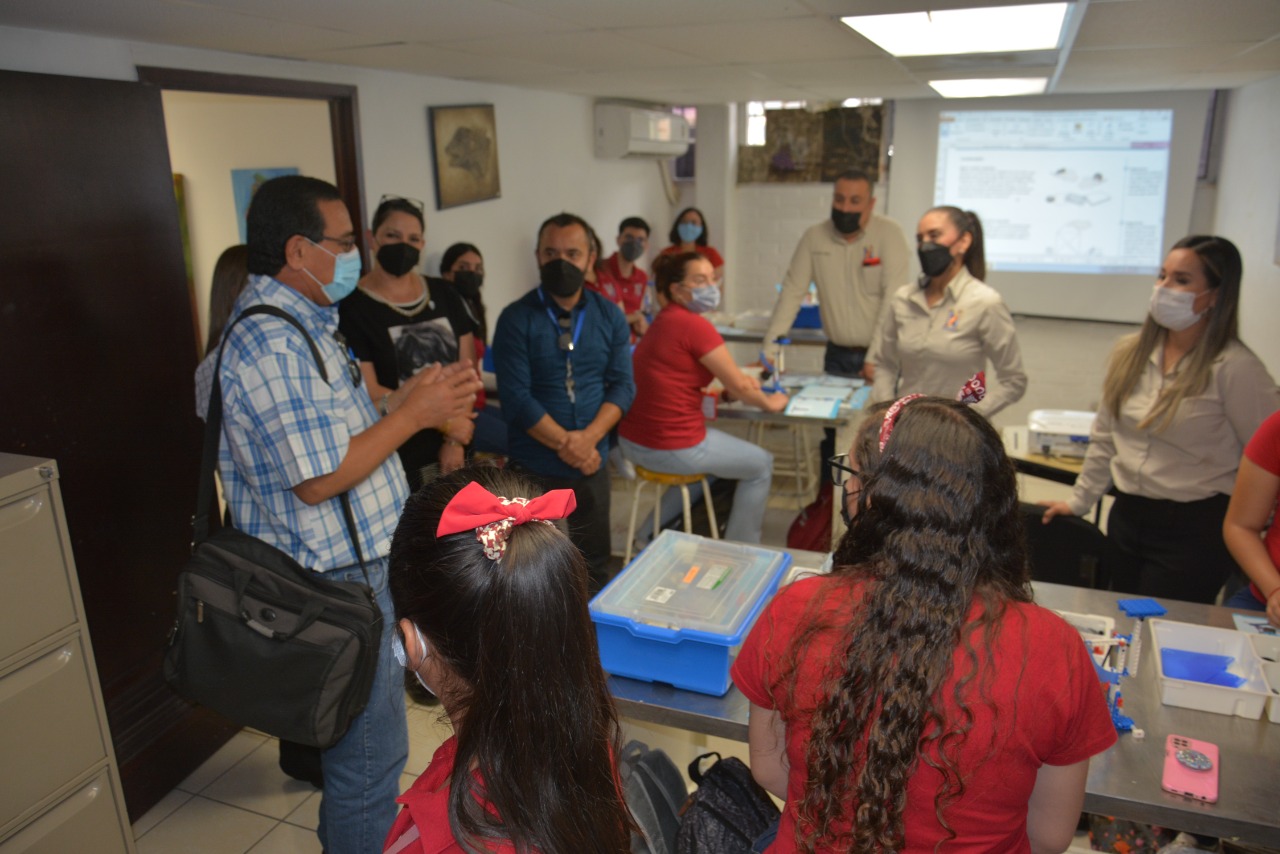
x: 259, y: 638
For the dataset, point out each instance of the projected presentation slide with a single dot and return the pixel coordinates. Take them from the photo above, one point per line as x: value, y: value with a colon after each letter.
x: 1062, y: 191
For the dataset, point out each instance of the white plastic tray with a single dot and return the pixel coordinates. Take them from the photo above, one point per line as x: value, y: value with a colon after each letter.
x: 1268, y: 649
x: 1247, y: 701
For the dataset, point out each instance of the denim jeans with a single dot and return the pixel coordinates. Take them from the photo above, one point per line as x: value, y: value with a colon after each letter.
x: 1244, y: 600
x: 362, y: 771
x: 721, y: 455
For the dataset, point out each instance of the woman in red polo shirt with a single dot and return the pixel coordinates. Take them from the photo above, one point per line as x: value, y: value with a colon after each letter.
x: 666, y: 429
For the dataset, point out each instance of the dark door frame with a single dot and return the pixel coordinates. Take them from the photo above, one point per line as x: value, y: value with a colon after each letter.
x: 344, y: 117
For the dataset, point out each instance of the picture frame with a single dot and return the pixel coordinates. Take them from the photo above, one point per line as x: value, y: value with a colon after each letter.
x: 244, y: 183
x: 464, y: 147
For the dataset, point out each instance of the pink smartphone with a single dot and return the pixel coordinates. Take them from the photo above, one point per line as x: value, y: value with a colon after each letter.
x: 1191, y: 768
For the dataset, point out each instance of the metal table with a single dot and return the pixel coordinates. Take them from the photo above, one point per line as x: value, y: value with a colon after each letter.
x: 1125, y: 780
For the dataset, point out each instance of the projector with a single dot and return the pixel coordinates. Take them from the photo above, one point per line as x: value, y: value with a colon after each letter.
x: 1059, y: 432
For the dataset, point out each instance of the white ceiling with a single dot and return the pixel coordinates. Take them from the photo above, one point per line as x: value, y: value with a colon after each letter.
x: 690, y: 51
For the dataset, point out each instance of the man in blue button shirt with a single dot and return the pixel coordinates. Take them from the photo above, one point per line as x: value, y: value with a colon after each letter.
x: 562, y: 357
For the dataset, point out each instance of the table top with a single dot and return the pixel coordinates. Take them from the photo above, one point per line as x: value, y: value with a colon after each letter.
x: 1125, y: 780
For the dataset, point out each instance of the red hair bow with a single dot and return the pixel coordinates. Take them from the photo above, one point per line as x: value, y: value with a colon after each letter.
x: 492, y: 517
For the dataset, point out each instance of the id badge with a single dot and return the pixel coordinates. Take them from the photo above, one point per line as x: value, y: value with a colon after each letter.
x: 710, y: 405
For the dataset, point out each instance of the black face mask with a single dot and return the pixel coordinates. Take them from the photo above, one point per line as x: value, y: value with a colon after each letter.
x: 631, y: 249
x: 845, y: 515
x: 934, y: 260
x: 468, y: 282
x: 846, y: 222
x: 560, y: 278
x: 398, y: 258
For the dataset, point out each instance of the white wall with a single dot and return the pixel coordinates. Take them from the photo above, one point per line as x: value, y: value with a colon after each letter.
x: 211, y: 134
x: 1248, y: 210
x: 545, y: 145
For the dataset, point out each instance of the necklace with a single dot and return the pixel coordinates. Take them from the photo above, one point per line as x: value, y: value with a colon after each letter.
x: 407, y: 309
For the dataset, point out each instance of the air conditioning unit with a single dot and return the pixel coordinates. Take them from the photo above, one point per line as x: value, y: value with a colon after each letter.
x: 623, y: 131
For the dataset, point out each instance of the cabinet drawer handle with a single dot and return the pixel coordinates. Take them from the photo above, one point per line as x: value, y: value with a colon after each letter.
x: 37, y: 671
x: 20, y: 512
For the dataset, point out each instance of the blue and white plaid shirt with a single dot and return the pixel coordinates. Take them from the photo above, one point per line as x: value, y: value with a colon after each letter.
x: 282, y: 425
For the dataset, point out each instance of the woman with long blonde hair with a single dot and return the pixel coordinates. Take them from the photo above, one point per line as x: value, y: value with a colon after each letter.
x: 1179, y: 401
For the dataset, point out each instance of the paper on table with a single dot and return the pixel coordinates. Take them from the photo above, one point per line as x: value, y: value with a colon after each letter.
x: 813, y: 407
x: 1254, y: 625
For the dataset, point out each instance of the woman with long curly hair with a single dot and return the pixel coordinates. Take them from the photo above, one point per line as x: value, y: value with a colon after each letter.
x: 491, y: 610
x: 916, y: 697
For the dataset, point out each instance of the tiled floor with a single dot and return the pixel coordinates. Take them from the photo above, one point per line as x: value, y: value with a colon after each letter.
x: 239, y: 801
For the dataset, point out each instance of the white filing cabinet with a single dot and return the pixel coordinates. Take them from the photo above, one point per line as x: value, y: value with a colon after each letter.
x: 60, y: 787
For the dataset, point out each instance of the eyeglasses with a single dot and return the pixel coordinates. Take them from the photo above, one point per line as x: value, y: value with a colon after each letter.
x: 388, y: 197
x: 346, y: 244
x: 353, y: 365
x: 841, y: 472
x: 565, y: 341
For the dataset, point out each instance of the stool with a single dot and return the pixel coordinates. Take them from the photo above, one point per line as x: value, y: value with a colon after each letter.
x: 661, y: 481
x: 792, y: 459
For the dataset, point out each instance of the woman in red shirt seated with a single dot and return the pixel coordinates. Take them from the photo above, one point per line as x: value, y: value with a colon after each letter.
x: 916, y: 697
x: 487, y: 593
x: 666, y: 430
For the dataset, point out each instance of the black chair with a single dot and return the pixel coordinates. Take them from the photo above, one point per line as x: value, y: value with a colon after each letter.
x: 1069, y: 550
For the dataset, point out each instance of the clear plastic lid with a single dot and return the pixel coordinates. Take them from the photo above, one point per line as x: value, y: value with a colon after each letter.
x: 682, y: 581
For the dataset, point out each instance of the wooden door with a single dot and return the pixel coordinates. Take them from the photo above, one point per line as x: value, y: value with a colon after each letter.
x: 97, y: 353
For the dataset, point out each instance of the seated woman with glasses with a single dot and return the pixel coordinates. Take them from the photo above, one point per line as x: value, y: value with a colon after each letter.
x: 398, y: 322
x: 666, y: 429
x: 488, y: 593
x: 916, y: 698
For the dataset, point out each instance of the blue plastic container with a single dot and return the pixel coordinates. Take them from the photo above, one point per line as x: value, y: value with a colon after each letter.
x: 808, y: 318
x: 678, y: 613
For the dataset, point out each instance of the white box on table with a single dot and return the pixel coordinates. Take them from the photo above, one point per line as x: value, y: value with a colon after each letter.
x: 1247, y: 701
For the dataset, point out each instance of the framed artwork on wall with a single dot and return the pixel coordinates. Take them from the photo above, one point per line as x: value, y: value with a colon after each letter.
x: 464, y: 147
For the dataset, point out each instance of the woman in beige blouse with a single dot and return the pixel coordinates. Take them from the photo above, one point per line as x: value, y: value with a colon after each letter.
x: 1179, y: 401
x: 945, y: 328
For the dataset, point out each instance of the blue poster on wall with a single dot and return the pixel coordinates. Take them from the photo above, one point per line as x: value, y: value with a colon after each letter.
x: 244, y: 183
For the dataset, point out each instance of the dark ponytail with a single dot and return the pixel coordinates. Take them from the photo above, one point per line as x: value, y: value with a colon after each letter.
x: 532, y: 713
x: 967, y: 222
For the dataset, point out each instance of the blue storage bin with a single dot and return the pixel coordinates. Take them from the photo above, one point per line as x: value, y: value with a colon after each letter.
x: 808, y: 318
x: 678, y: 612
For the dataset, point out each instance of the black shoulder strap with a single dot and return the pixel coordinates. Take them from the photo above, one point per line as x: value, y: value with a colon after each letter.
x: 213, y: 431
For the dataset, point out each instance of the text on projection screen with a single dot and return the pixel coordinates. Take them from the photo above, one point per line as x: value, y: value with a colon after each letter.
x: 1070, y: 191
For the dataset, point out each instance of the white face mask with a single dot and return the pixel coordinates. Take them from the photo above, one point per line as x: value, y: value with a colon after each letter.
x: 1174, y: 310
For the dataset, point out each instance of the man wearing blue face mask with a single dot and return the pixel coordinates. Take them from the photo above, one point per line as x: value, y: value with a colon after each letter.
x: 293, y: 441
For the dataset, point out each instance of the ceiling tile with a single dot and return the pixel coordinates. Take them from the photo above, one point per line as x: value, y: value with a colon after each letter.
x: 1178, y: 23
x: 612, y: 14
x: 776, y: 40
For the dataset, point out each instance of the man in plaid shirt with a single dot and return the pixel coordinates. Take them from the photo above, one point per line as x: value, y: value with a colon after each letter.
x: 292, y: 443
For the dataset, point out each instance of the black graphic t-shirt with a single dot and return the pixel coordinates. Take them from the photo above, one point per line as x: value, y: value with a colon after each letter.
x: 400, y: 346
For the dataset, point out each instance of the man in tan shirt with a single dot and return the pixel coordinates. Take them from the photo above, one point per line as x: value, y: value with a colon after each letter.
x: 856, y: 259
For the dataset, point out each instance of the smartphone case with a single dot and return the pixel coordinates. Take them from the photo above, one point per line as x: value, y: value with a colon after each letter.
x: 1185, y: 771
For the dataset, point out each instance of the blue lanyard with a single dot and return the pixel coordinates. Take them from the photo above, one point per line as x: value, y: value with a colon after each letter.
x: 555, y: 324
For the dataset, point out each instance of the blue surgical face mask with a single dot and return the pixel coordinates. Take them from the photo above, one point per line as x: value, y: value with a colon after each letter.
x: 402, y: 657
x: 704, y: 298
x: 346, y: 274
x: 689, y: 231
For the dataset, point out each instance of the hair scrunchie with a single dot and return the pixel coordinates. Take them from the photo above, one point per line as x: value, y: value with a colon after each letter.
x: 492, y: 517
x: 973, y: 391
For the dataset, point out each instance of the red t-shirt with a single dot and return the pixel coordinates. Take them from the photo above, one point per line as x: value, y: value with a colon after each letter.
x: 667, y: 412
x: 1263, y: 451
x: 708, y: 252
x: 1048, y: 708
x: 422, y: 827
x: 625, y: 291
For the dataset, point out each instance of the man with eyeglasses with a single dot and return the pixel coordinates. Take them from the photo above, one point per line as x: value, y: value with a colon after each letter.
x: 293, y: 442
x: 562, y: 358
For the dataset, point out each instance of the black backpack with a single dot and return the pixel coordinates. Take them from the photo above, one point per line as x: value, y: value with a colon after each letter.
x: 655, y: 793
x: 728, y: 811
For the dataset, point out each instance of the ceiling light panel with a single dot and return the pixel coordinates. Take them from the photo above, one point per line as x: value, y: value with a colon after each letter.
x: 987, y: 30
